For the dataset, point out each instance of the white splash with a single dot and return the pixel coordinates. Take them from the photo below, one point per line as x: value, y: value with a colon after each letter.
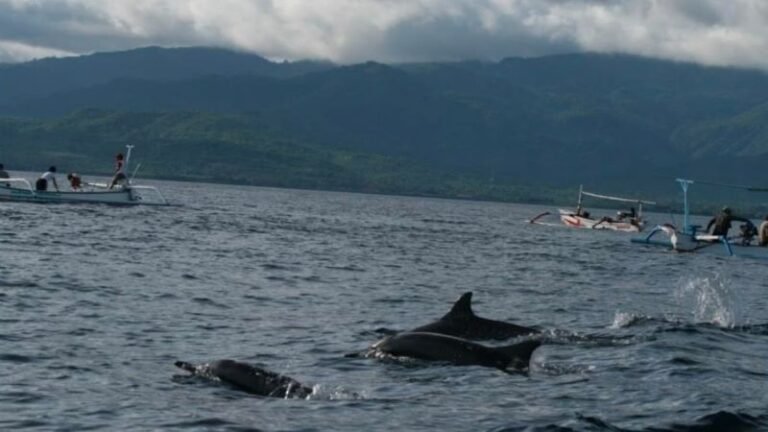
x: 710, y: 299
x: 623, y: 319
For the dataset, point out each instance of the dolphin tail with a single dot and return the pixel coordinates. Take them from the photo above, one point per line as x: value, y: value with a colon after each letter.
x: 189, y: 367
x: 462, y: 307
x: 518, y: 356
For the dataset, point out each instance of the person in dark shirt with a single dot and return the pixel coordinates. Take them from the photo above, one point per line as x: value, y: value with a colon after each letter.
x: 75, y: 182
x: 4, y: 174
x: 119, y: 176
x: 721, y: 223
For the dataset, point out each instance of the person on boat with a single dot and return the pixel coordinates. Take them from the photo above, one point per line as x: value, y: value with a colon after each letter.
x: 75, y: 182
x: 119, y: 176
x: 721, y: 223
x: 4, y: 174
x: 47, y: 177
x: 762, y: 233
x: 631, y: 215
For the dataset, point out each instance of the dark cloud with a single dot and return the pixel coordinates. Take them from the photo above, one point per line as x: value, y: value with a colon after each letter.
x: 707, y: 31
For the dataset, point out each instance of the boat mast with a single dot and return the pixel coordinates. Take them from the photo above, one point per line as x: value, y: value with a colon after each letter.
x: 578, y: 204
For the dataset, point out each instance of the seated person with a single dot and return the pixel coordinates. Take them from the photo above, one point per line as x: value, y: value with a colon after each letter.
x: 630, y: 214
x: 47, y: 177
x: 605, y: 219
x: 762, y: 233
x: 748, y: 231
x: 75, y: 182
x: 721, y: 223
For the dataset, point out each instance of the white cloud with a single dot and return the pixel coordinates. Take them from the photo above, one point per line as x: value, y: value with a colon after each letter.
x: 712, y: 32
x: 11, y: 51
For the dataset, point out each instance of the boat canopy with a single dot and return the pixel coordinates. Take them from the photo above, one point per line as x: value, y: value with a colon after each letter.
x: 613, y: 198
x: 639, y: 202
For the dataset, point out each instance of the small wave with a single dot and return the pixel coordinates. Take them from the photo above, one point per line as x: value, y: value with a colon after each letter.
x: 211, y: 422
x: 598, y: 340
x: 623, y: 320
x: 322, y: 392
x: 755, y: 329
x: 719, y: 421
x: 18, y: 284
x: 207, y: 301
x: 15, y: 358
x: 351, y: 268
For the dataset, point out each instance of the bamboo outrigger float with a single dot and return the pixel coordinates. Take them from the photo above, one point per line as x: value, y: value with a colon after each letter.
x: 691, y: 239
x: 631, y: 221
x: 21, y: 190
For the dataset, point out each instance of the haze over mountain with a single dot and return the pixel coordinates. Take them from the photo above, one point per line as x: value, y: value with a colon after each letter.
x: 621, y: 122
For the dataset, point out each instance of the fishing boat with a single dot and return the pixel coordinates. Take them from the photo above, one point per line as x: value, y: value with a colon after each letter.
x: 21, y: 190
x: 629, y: 221
x: 691, y: 239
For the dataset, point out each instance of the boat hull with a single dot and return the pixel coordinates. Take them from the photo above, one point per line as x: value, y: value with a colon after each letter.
x: 116, y: 197
x: 570, y: 219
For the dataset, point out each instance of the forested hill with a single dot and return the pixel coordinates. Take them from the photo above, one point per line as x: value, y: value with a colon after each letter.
x: 624, y: 124
x: 232, y: 149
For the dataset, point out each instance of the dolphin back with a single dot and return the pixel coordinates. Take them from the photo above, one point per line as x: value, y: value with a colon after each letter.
x: 518, y: 356
x: 249, y: 378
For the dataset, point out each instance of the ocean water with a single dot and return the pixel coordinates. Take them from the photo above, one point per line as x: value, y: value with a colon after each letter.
x: 97, y: 302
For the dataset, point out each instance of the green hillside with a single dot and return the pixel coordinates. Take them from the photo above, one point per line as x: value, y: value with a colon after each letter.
x: 232, y: 149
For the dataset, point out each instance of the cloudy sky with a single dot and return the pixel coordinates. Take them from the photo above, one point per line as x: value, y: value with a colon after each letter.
x: 715, y: 32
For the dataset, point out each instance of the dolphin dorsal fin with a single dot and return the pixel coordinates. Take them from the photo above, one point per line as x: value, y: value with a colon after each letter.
x: 462, y: 307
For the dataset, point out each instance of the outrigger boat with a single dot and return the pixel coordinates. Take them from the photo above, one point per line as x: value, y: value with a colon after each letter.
x: 21, y: 190
x: 625, y: 221
x: 691, y: 239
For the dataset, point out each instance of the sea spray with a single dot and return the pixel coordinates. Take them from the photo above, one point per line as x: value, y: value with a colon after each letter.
x: 710, y: 299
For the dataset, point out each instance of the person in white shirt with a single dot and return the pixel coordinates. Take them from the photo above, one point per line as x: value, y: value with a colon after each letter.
x: 762, y: 233
x: 47, y: 177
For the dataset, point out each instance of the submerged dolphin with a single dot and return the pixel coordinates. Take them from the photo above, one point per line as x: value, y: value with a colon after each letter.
x: 249, y: 378
x: 462, y: 322
x: 440, y: 347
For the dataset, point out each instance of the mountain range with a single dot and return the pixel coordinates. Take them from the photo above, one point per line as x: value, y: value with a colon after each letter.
x: 621, y: 124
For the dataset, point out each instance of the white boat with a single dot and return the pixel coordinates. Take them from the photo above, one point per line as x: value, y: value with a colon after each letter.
x: 631, y: 221
x: 690, y: 239
x: 21, y: 190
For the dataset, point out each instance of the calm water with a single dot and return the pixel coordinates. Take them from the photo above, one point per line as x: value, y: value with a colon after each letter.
x: 97, y: 302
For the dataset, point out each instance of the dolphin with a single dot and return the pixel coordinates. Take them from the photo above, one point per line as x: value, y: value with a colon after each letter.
x: 440, y: 347
x: 461, y: 322
x: 249, y: 378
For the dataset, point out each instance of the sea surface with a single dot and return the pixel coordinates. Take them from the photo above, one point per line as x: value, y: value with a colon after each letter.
x: 97, y: 302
